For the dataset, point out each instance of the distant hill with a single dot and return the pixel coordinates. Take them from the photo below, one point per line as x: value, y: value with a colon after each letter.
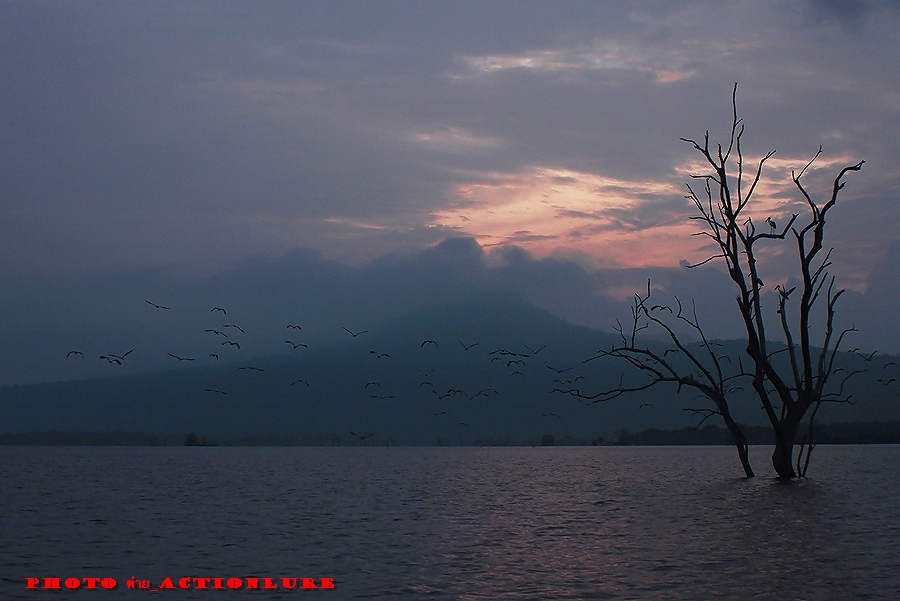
x: 485, y: 369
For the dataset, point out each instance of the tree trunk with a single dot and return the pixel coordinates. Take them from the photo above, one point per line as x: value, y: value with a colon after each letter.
x: 783, y: 456
x: 740, y: 443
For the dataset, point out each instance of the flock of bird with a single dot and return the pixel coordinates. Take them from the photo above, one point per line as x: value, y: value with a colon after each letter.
x: 514, y: 364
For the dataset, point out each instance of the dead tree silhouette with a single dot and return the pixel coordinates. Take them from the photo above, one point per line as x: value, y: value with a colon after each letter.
x: 789, y: 391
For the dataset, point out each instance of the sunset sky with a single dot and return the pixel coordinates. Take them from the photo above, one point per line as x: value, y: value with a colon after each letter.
x: 187, y: 138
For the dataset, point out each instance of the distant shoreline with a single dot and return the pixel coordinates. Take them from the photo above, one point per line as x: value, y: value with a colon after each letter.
x: 830, y: 433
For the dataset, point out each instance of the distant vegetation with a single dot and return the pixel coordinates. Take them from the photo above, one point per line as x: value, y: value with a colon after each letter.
x: 833, y: 433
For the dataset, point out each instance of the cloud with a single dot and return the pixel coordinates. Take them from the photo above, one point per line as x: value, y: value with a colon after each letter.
x: 146, y: 138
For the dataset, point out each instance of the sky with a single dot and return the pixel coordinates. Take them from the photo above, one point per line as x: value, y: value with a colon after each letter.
x: 154, y: 146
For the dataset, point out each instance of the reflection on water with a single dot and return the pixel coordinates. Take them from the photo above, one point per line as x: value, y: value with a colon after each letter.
x: 455, y: 523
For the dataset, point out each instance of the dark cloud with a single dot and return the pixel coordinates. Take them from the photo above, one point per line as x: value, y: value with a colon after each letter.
x: 142, y: 139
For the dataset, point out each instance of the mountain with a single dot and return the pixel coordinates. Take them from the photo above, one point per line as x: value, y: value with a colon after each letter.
x: 481, y: 369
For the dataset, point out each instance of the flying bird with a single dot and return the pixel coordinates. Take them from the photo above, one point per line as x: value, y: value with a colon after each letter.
x: 231, y: 325
x: 224, y: 312
x: 467, y: 346
x: 155, y: 305
x: 218, y: 333
x: 551, y: 415
x: 180, y: 358
x: 70, y: 353
x: 117, y: 359
x: 293, y: 327
x: 867, y: 357
x: 535, y: 352
x: 252, y: 368
x: 296, y: 344
x: 559, y: 370
x: 214, y: 356
x: 355, y: 334
x: 366, y: 437
x: 424, y: 342
x: 215, y: 390
x: 300, y: 381
x: 378, y: 355
x: 231, y: 343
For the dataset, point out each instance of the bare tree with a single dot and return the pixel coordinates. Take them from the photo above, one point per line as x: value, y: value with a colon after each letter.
x: 788, y: 389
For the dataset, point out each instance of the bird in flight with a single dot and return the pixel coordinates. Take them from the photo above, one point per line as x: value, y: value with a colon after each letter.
x: 379, y: 355
x: 355, y: 334
x: 218, y: 332
x: 214, y: 356
x: 231, y: 325
x: 251, y: 368
x: 117, y: 359
x: 535, y: 352
x: 155, y: 305
x: 467, y: 346
x: 483, y: 392
x: 366, y: 437
x: 232, y: 343
x: 215, y: 390
x: 300, y: 381
x: 180, y: 358
x: 551, y: 415
x: 867, y: 357
x: 293, y: 327
x: 220, y: 309
x: 296, y: 344
x: 70, y: 353
x: 424, y: 342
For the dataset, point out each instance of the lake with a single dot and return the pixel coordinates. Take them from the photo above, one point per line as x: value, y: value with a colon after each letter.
x: 451, y: 523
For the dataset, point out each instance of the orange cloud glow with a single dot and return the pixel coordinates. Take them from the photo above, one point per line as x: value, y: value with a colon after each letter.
x: 545, y: 210
x: 616, y: 222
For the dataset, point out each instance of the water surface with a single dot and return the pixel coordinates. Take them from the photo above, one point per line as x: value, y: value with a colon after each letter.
x: 454, y: 523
